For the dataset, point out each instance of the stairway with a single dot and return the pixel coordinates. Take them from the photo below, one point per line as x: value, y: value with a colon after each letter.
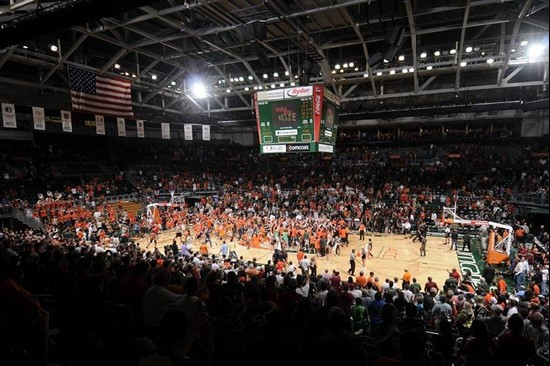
x: 131, y: 207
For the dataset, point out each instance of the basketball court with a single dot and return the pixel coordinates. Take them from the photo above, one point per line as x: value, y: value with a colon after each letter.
x: 391, y: 255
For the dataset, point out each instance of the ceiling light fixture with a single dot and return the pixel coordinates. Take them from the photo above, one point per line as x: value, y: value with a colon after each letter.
x: 524, y: 43
x: 351, y: 64
x: 437, y: 53
x: 463, y: 63
x: 392, y: 72
x: 117, y: 66
x: 250, y: 77
x: 536, y: 50
x: 345, y: 65
x: 199, y: 90
x: 469, y: 49
x: 402, y: 58
x: 490, y: 61
x: 53, y: 48
x: 275, y: 74
x: 337, y: 66
x: 379, y: 73
x: 365, y: 75
x: 453, y: 51
x: 265, y: 76
x: 154, y: 77
x: 430, y: 67
x: 423, y: 55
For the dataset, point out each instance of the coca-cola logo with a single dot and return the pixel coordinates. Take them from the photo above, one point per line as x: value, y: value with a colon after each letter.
x: 66, y: 115
x: 8, y: 109
x: 297, y: 92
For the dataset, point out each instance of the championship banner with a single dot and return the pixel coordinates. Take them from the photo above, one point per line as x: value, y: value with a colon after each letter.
x: 121, y: 126
x: 206, y: 133
x: 140, y: 129
x: 99, y: 125
x: 8, y: 115
x: 165, y: 131
x: 188, y: 132
x: 66, y: 121
x: 39, y: 118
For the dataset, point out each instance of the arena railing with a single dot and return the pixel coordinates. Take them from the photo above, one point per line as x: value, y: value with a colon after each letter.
x: 529, y: 199
x: 122, y: 197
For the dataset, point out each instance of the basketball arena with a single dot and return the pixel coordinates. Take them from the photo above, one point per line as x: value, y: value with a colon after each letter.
x: 244, y: 182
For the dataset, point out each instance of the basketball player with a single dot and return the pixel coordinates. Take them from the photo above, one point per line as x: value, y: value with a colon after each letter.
x: 423, y: 242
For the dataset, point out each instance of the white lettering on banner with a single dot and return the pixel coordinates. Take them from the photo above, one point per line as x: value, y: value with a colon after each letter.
x: 271, y: 149
x: 8, y: 116
x: 39, y: 118
x: 188, y: 132
x: 468, y: 262
x: 328, y: 133
x: 66, y: 121
x: 165, y: 131
x: 99, y: 125
x: 206, y: 133
x: 306, y: 91
x: 297, y: 147
x: 318, y: 104
x: 286, y: 132
x: 121, y: 126
x: 140, y: 129
x: 326, y: 148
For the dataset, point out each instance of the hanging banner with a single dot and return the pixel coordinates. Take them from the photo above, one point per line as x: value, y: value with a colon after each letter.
x: 66, y: 121
x: 206, y: 133
x: 121, y: 126
x: 99, y: 125
x: 39, y: 118
x: 165, y: 131
x: 188, y: 132
x: 140, y: 129
x: 8, y: 115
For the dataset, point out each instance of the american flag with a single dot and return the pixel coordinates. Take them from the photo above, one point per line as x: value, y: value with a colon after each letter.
x: 98, y: 94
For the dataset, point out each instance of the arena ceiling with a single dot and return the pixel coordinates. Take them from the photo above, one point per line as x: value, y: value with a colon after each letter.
x: 437, y: 51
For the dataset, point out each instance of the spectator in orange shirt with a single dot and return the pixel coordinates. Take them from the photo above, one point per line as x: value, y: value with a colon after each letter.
x: 203, y: 249
x: 361, y: 280
x: 502, y: 287
x: 406, y: 278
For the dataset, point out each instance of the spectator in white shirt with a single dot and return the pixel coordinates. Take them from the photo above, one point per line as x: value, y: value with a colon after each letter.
x: 158, y: 299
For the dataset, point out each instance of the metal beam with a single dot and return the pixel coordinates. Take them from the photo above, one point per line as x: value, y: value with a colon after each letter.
x: 350, y: 90
x: 7, y: 54
x: 517, y: 26
x: 512, y: 74
x: 412, y: 28
x: 461, y: 44
x: 428, y: 82
x: 64, y: 58
x: 117, y: 56
x: 164, y: 84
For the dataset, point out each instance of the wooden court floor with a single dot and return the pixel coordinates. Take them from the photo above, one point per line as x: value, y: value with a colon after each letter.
x: 391, y: 256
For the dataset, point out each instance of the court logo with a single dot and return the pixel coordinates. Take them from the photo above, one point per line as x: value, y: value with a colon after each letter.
x: 468, y: 262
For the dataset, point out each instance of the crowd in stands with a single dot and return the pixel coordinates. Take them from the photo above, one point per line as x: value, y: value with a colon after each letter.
x: 114, y: 301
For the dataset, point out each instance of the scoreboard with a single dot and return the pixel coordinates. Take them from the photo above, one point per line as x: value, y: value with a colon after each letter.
x: 300, y: 119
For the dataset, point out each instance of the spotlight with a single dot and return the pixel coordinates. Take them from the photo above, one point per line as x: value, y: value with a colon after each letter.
x: 255, y: 88
x: 536, y: 50
x: 429, y: 68
x: 386, y: 61
x: 334, y: 71
x: 293, y: 84
x: 53, y: 48
x: 345, y: 65
x: 522, y: 44
x: 260, y: 87
x: 437, y: 53
x: 351, y: 64
x: 117, y: 66
x: 154, y: 77
x: 379, y: 73
x: 127, y: 73
x: 241, y: 79
x: 401, y: 58
x: 490, y: 61
x: 404, y: 71
x: 469, y: 49
x: 341, y: 70
x: 199, y: 90
x: 133, y: 75
x: 275, y: 74
x: 228, y: 90
x: 173, y: 83
x: 265, y: 76
x: 250, y: 77
x: 365, y: 75
x: 337, y: 66
x: 24, y: 46
x: 392, y: 72
x: 272, y: 86
x: 287, y: 73
x: 423, y: 55
x: 246, y: 89
x: 356, y: 69
x: 282, y: 85
x: 463, y: 63
x: 453, y: 51
x: 411, y: 69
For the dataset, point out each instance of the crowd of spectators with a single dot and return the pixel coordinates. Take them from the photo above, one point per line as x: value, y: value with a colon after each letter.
x: 111, y: 300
